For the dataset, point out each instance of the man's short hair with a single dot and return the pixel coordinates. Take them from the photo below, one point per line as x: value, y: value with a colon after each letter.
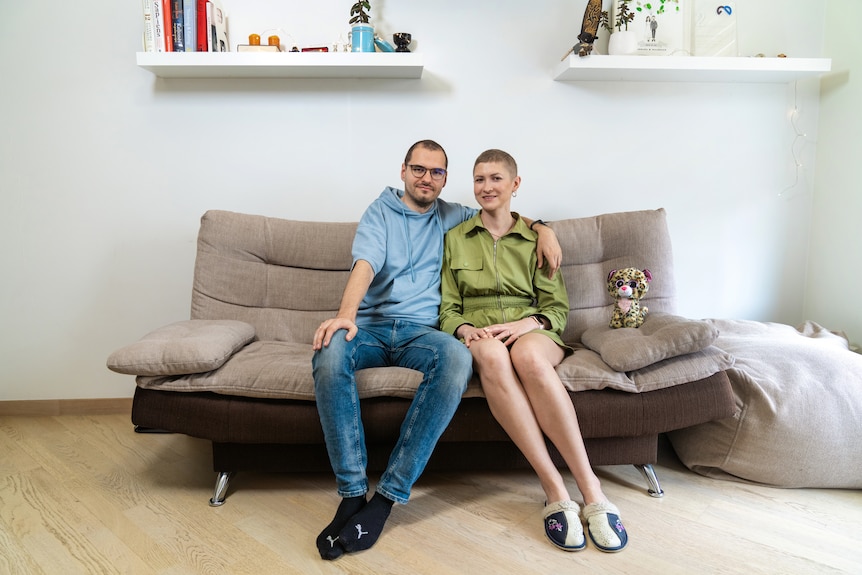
x: 428, y: 145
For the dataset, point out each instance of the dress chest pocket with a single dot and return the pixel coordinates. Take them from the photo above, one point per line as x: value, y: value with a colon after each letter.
x: 472, y: 275
x: 461, y: 262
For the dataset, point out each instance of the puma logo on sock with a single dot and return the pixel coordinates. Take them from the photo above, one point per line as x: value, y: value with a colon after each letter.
x: 363, y: 529
x: 331, y: 540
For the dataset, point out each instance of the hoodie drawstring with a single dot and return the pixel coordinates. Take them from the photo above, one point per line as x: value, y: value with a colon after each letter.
x: 409, y: 244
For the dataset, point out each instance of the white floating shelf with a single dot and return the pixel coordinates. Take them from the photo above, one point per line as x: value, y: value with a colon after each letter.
x: 688, y: 69
x: 282, y: 64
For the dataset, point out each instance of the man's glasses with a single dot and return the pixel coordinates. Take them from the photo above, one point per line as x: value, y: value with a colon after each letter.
x: 419, y: 171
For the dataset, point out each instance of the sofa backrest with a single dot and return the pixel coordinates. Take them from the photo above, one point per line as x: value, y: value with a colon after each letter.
x: 594, y: 246
x: 286, y: 276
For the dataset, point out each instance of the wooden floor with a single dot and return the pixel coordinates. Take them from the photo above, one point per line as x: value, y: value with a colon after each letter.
x: 85, y: 494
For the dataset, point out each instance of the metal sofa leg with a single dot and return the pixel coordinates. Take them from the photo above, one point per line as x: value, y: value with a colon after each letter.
x: 649, y: 474
x: 220, y: 488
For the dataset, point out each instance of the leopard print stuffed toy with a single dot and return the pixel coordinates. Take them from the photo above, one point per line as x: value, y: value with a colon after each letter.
x: 627, y: 286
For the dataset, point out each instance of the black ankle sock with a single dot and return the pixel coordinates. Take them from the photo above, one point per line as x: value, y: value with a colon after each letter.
x: 363, y: 529
x: 328, y: 543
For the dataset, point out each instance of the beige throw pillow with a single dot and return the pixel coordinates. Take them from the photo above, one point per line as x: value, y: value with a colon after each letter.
x: 184, y: 347
x: 662, y: 336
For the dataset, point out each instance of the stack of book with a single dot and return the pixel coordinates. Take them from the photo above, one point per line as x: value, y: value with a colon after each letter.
x: 185, y: 26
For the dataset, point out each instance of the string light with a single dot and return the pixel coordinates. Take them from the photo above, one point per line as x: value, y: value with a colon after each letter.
x: 798, y: 135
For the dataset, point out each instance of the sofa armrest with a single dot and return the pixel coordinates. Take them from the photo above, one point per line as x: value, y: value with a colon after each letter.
x: 184, y: 347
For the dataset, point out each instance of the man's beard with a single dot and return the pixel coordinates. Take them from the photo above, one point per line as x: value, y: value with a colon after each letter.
x: 419, y: 199
x: 423, y: 203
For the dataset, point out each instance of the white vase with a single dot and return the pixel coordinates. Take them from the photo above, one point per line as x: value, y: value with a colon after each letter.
x: 622, y: 42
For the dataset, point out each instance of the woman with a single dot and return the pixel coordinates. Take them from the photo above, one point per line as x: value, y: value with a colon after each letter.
x: 510, y: 315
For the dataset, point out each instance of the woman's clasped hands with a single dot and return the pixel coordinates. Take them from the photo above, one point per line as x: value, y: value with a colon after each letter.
x: 508, y: 333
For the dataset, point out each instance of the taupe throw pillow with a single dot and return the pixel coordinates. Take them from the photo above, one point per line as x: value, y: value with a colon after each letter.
x: 184, y: 347
x: 661, y: 336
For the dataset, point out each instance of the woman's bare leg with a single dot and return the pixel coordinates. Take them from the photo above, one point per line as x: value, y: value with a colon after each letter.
x: 511, y: 408
x: 534, y: 357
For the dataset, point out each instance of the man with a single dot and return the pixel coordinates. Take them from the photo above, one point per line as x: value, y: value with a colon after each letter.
x: 388, y: 316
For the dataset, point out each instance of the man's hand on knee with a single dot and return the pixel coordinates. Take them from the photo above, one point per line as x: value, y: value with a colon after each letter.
x: 323, y: 334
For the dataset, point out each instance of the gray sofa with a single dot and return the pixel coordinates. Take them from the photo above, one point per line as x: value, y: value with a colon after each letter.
x: 238, y: 372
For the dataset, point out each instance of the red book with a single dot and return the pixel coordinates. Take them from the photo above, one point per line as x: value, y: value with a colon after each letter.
x: 202, y: 31
x: 169, y: 25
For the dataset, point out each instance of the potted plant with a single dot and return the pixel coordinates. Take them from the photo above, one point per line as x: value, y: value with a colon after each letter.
x: 361, y: 32
x: 622, y: 40
x: 359, y: 12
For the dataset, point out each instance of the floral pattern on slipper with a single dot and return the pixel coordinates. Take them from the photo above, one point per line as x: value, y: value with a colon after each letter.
x: 563, y: 525
x: 605, y: 526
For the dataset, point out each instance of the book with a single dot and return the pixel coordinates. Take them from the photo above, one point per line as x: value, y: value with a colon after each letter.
x: 189, y: 25
x: 149, y: 35
x: 201, y: 31
x: 211, y: 41
x: 167, y: 25
x: 177, y: 25
x: 158, y: 25
x: 218, y: 29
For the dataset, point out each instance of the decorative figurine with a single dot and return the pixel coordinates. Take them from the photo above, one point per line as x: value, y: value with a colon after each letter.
x: 589, y: 27
x: 402, y: 41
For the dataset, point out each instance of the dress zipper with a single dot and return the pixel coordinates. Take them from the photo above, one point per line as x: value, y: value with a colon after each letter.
x: 499, y: 287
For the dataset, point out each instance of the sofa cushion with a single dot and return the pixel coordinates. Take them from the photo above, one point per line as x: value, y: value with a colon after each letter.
x: 661, y: 336
x: 282, y: 370
x: 585, y: 370
x: 799, y: 393
x: 191, y: 346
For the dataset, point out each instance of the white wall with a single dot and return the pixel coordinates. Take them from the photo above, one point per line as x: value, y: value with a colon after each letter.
x: 105, y: 169
x: 835, y: 266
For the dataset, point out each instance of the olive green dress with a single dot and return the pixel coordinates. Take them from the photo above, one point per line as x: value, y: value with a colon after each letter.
x: 486, y: 282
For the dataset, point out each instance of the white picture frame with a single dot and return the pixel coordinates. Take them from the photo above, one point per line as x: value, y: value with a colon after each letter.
x: 714, y: 28
x: 662, y: 27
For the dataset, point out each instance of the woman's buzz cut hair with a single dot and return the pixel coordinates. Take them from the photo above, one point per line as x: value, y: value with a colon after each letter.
x: 498, y: 156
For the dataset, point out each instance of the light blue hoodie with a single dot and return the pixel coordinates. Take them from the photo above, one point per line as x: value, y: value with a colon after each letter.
x: 405, y: 250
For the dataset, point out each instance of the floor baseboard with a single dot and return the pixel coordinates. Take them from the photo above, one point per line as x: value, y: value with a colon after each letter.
x: 100, y: 406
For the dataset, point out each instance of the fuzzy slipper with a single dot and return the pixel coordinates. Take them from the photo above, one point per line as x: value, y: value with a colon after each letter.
x: 605, y: 527
x: 563, y: 526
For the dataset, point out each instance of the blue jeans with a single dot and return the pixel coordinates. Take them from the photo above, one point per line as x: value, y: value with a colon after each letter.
x: 447, y: 366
